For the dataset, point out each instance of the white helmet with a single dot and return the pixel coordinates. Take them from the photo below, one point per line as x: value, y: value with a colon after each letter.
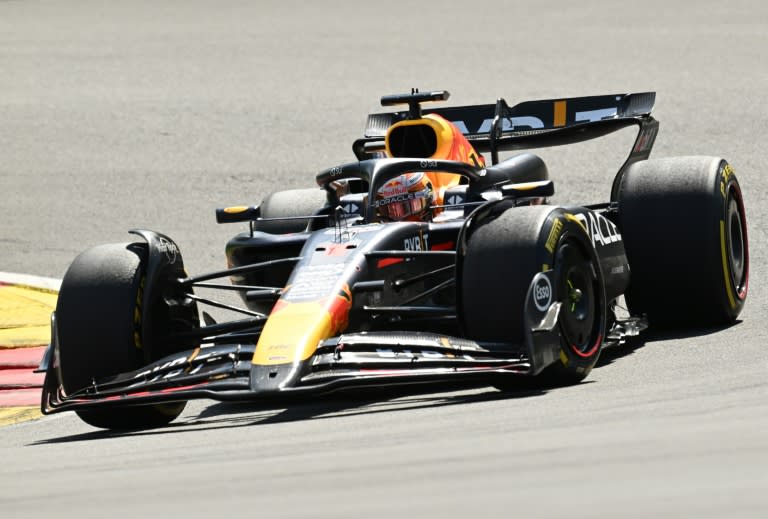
x: 407, y: 197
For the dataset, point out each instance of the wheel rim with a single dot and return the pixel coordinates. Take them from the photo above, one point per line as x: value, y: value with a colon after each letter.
x: 577, y: 289
x: 735, y: 235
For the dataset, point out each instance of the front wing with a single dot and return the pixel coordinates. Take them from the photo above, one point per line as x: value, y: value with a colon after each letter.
x: 223, y: 372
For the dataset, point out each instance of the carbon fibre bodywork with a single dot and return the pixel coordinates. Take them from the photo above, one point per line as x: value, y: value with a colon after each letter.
x: 351, y: 300
x: 403, y: 310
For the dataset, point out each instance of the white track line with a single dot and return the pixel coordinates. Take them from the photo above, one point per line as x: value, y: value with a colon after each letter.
x: 30, y: 281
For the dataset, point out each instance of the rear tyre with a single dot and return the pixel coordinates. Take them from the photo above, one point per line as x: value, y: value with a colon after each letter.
x: 685, y: 232
x: 290, y: 203
x: 98, y: 317
x: 500, y: 259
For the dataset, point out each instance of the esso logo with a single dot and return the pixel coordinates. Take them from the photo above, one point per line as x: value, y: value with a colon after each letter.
x: 542, y: 293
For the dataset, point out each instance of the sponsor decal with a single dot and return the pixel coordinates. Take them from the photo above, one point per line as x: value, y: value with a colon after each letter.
x: 535, y: 123
x: 542, y: 293
x: 387, y: 353
x: 351, y: 208
x: 170, y: 249
x: 335, y: 171
x: 314, y: 281
x: 428, y: 164
x: 725, y: 176
x: 278, y: 352
x: 405, y: 197
x: 599, y: 228
x: 336, y: 249
x: 417, y: 243
x: 518, y: 123
x: 645, y: 139
x: 554, y: 234
x: 398, y: 190
x: 454, y: 200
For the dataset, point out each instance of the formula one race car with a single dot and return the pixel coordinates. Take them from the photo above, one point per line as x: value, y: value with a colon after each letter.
x: 418, y: 262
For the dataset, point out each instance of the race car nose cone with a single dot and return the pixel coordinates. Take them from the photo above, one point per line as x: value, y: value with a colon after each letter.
x: 273, y: 378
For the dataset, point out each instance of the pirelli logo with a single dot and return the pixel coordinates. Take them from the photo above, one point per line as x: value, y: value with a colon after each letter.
x: 554, y: 234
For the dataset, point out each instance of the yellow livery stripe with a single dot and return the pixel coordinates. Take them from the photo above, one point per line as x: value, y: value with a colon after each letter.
x: 292, y: 334
x: 559, y: 114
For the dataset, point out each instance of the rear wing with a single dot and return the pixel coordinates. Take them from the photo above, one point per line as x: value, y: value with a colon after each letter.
x: 497, y: 127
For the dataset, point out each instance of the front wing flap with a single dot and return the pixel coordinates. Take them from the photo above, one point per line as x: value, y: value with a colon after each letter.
x: 210, y: 372
x: 222, y: 372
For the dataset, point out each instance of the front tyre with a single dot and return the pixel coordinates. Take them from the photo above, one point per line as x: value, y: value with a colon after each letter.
x: 501, y: 256
x: 98, y: 318
x: 133, y: 417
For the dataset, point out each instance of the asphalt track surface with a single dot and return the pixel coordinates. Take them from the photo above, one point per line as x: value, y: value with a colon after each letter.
x: 116, y: 115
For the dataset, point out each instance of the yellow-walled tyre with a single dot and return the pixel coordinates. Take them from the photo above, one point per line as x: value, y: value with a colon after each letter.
x: 685, y: 232
x: 99, y: 331
x: 500, y: 258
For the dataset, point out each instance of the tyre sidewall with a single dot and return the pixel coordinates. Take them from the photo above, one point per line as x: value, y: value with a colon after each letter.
x: 574, y: 362
x: 674, y: 220
x: 495, y: 280
x: 98, y: 314
x: 735, y: 287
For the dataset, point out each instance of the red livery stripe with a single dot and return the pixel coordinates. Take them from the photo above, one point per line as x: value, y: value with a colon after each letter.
x: 386, y: 262
x: 449, y: 245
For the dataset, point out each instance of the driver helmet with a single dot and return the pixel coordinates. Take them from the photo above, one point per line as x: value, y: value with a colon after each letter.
x: 407, y: 197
